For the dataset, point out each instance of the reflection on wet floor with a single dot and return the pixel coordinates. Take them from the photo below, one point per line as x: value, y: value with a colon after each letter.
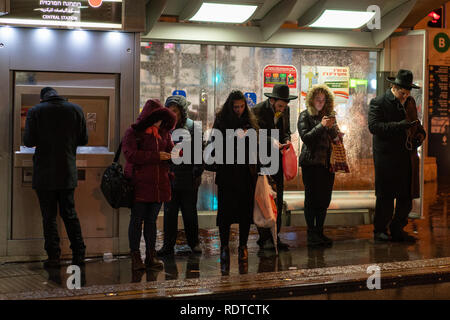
x: 352, y: 246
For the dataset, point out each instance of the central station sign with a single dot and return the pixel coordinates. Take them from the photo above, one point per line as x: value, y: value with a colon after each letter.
x: 106, y: 14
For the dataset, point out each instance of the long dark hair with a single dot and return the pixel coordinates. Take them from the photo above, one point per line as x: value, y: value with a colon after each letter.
x: 227, y: 118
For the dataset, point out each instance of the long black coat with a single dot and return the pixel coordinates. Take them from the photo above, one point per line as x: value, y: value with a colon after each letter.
x: 396, y: 167
x: 56, y: 127
x: 235, y: 183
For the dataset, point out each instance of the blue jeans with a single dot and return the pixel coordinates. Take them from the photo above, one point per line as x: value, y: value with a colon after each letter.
x: 147, y: 213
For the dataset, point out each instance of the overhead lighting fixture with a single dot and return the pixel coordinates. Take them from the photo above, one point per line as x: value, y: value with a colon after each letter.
x: 342, y: 19
x: 227, y: 13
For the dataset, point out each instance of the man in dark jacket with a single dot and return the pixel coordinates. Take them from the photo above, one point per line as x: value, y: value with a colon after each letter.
x: 56, y: 127
x: 187, y: 179
x: 394, y: 161
x: 274, y: 114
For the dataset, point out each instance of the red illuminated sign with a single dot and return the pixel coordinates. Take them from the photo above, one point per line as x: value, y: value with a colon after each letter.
x: 95, y: 3
x: 280, y: 74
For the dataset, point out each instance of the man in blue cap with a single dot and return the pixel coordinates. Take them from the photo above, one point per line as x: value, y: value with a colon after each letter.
x: 187, y: 179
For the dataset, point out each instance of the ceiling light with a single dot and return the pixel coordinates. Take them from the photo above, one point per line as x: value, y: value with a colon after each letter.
x: 342, y: 19
x: 229, y: 13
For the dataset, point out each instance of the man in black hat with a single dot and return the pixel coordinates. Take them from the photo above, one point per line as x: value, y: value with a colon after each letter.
x: 394, y: 158
x: 274, y: 114
x: 56, y: 127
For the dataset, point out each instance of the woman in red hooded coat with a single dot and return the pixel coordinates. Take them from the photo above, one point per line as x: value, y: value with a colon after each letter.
x: 147, y: 145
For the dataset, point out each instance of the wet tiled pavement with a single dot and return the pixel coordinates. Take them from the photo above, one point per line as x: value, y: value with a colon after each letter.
x: 189, y: 275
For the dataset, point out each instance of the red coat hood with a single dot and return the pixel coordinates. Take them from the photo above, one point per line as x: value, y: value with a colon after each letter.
x: 154, y: 109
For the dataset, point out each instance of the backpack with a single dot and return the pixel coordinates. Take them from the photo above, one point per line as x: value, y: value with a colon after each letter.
x: 117, y: 189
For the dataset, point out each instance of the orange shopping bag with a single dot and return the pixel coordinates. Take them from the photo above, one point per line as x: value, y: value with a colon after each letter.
x: 290, y: 165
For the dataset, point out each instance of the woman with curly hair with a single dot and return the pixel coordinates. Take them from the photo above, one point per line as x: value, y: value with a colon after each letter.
x: 317, y: 127
x: 236, y: 182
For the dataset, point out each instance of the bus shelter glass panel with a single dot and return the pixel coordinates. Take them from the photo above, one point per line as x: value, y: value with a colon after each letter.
x: 208, y: 73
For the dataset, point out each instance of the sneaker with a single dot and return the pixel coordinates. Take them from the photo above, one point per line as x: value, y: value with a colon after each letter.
x: 196, y: 249
x: 165, y: 251
x: 381, y: 237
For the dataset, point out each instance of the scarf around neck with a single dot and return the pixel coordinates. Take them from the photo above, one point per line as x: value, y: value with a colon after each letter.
x: 154, y: 131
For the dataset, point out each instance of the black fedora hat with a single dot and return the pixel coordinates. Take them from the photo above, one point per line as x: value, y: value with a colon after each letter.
x: 403, y: 79
x: 280, y: 91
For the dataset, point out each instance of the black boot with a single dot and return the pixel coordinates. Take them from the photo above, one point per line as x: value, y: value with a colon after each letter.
x: 165, y: 251
x: 314, y: 239
x: 150, y: 260
x: 327, y: 241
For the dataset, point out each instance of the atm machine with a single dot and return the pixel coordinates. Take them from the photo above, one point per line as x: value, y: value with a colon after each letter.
x: 97, y: 94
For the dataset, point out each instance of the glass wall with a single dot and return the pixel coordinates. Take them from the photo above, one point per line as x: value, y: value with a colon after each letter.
x: 207, y: 73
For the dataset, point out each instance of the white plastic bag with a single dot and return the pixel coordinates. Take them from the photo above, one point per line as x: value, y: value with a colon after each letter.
x: 263, y: 212
x: 265, y: 209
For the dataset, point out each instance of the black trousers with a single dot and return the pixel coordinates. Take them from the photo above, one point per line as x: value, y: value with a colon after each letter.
x: 318, y: 181
x: 143, y: 213
x: 384, y: 209
x: 224, y: 234
x: 186, y: 200
x: 264, y: 233
x: 49, y: 200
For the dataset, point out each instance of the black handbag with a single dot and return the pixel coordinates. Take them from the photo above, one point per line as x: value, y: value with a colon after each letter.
x: 117, y: 189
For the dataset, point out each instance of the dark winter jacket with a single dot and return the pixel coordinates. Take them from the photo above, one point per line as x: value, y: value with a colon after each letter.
x: 56, y: 127
x: 149, y: 174
x: 265, y: 116
x: 395, y: 165
x: 185, y: 175
x: 316, y: 148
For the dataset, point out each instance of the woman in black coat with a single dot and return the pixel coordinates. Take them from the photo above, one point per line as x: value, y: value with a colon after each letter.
x: 236, y: 182
x: 316, y: 126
